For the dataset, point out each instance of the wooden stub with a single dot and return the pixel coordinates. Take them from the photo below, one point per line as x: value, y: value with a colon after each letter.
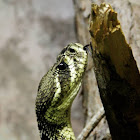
x: 116, y: 72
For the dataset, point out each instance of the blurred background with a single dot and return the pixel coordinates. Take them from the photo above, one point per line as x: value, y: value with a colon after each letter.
x: 32, y: 33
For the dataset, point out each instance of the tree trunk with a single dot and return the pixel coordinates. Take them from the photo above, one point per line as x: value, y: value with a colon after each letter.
x: 116, y: 71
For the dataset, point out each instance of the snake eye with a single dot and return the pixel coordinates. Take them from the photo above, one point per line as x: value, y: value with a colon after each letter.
x: 71, y: 50
x: 62, y: 66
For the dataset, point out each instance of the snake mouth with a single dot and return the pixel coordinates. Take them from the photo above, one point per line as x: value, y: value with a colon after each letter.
x: 87, y: 49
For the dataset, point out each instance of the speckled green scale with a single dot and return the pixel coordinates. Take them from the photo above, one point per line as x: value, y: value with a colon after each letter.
x: 56, y: 92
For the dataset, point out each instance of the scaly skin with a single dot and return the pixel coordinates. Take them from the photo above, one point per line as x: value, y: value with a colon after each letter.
x: 56, y: 92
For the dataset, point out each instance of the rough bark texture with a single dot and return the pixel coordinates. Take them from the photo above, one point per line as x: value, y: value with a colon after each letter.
x: 116, y: 72
x: 126, y: 95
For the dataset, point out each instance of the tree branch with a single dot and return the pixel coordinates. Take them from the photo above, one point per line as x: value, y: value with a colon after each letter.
x: 91, y: 125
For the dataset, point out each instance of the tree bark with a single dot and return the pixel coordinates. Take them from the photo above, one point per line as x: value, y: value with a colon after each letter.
x: 116, y: 72
x: 116, y: 66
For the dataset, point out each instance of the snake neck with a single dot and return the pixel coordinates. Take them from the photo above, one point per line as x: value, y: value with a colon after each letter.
x: 56, y: 127
x: 54, y: 118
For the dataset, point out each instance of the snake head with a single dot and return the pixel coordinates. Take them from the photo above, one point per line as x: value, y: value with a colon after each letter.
x: 61, y: 84
x: 70, y: 68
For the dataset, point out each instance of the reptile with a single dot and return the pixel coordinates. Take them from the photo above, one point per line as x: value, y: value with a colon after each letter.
x: 57, y: 90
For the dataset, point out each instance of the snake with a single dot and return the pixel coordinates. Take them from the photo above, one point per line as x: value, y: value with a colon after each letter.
x: 57, y: 90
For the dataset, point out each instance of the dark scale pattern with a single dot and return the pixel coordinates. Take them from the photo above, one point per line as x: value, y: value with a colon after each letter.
x: 47, y: 130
